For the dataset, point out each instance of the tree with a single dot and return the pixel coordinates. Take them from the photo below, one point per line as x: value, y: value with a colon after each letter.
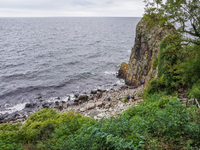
x: 182, y: 14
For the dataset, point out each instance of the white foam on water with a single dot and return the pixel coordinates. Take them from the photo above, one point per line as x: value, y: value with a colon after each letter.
x: 110, y: 72
x: 120, y: 82
x: 15, y: 108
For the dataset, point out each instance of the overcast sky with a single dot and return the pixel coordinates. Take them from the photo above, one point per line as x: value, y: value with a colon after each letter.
x: 62, y: 8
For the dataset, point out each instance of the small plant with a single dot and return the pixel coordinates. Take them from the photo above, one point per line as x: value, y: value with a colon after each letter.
x: 155, y: 63
x: 139, y: 94
x: 118, y: 99
x: 126, y: 100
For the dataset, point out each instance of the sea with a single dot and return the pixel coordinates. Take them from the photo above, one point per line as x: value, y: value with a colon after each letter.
x: 55, y: 57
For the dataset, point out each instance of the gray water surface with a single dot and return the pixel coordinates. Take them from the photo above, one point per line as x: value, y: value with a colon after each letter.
x: 59, y: 56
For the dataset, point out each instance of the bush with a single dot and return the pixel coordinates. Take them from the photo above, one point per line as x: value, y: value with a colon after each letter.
x: 126, y: 100
x: 155, y: 63
x: 159, y: 122
x: 195, y: 91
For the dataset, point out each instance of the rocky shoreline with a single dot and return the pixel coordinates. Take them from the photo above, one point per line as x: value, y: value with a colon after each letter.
x: 94, y: 104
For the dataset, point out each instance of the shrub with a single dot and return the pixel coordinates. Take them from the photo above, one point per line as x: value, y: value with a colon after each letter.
x: 126, y: 100
x: 195, y: 91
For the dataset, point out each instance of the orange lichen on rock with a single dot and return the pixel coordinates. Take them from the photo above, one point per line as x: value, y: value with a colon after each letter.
x: 123, y: 71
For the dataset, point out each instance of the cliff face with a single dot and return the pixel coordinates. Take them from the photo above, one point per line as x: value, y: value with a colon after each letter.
x: 146, y: 49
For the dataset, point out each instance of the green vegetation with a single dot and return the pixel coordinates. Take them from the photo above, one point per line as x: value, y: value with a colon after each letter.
x: 160, y: 122
x: 179, y: 54
x: 126, y: 100
x: 155, y: 63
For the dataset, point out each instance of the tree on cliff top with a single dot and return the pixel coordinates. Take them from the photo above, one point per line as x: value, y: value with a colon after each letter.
x: 183, y: 14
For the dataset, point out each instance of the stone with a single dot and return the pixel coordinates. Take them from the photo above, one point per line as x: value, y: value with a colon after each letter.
x: 93, y: 92
x: 101, y: 90
x: 124, y: 87
x: 45, y: 105
x: 65, y: 106
x: 82, y: 109
x: 83, y: 97
x: 99, y: 95
x: 57, y: 102
x: 99, y: 104
x: 30, y: 105
x: 123, y: 70
x: 90, y: 106
x: 110, y: 109
x: 107, y: 105
x: 76, y: 95
x: 94, y: 112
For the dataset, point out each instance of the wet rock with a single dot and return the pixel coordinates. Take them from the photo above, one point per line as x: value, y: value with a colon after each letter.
x: 39, y: 96
x: 3, y: 116
x: 76, y: 95
x: 76, y: 101
x: 83, y: 97
x: 124, y: 87
x: 101, y: 90
x: 30, y: 105
x: 45, y: 105
x: 41, y: 100
x: 93, y: 91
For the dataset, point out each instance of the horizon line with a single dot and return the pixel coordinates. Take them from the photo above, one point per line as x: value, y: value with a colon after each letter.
x: 70, y: 17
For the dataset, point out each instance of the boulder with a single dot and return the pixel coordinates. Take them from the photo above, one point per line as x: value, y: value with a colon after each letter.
x: 101, y: 90
x: 107, y: 105
x: 99, y: 104
x: 76, y: 95
x: 83, y: 97
x: 93, y: 91
x: 90, y: 106
x: 30, y: 105
x: 99, y: 95
x: 82, y: 109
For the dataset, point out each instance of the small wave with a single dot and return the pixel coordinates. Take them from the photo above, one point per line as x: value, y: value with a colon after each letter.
x: 110, y: 72
x: 129, y: 51
x: 15, y: 108
x: 14, y: 76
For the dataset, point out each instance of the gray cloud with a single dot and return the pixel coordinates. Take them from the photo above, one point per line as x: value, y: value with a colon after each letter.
x: 71, y: 8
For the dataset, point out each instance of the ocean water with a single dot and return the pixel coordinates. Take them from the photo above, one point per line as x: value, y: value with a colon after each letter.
x: 54, y: 57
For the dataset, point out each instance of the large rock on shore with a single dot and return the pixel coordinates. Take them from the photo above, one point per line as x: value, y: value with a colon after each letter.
x: 140, y: 70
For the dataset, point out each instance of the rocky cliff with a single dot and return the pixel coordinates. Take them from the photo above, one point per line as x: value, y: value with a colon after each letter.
x: 144, y: 54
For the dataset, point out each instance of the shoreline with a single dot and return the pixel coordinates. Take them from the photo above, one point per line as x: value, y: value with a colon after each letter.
x: 94, y: 104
